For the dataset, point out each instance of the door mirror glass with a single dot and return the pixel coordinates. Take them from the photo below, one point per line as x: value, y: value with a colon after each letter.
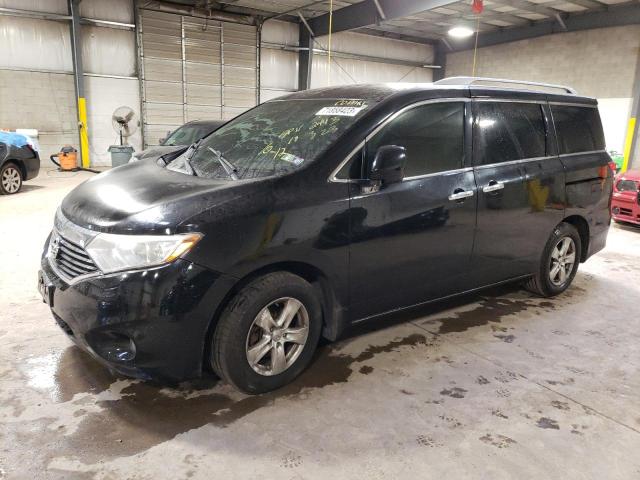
x: 388, y: 164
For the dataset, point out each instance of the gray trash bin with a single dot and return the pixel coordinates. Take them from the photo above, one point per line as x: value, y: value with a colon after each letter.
x: 120, y: 154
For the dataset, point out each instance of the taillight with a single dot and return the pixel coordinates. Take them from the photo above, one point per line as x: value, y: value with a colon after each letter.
x: 603, y: 172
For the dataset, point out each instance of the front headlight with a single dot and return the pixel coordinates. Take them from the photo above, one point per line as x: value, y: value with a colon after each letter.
x: 112, y: 253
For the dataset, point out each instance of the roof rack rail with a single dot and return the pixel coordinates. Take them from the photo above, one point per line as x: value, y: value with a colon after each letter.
x: 474, y: 80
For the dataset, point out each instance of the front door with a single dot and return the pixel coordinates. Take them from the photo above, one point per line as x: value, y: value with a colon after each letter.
x: 412, y: 241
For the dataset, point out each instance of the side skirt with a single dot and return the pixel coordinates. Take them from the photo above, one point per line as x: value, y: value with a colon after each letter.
x: 453, y: 295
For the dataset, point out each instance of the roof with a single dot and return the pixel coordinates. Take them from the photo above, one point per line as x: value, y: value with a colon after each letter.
x: 381, y: 91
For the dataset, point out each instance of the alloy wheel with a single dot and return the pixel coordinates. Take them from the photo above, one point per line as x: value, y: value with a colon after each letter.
x: 563, y: 257
x: 277, y: 336
x: 11, y: 180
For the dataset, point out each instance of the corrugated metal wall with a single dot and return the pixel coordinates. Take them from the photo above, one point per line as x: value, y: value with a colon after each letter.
x: 278, y: 67
x: 194, y: 69
x: 346, y: 71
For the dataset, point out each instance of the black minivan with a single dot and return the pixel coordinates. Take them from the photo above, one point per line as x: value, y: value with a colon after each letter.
x: 322, y: 209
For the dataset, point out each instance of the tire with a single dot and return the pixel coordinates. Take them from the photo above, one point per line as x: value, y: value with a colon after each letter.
x: 242, y: 328
x: 544, y: 282
x: 10, y: 179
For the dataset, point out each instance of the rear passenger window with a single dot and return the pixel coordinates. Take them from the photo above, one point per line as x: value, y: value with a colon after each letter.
x: 505, y: 131
x: 578, y: 128
x: 433, y: 135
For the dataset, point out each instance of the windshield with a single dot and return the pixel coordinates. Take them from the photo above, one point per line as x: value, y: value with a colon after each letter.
x: 627, y: 186
x: 272, y: 139
x: 187, y: 134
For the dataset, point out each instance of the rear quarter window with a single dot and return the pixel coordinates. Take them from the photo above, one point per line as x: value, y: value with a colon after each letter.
x: 578, y: 128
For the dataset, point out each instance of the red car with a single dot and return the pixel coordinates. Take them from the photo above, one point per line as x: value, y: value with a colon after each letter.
x: 625, y: 204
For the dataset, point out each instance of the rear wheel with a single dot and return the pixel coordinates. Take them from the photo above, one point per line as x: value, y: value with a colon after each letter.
x: 559, y: 262
x: 267, y: 334
x: 10, y: 179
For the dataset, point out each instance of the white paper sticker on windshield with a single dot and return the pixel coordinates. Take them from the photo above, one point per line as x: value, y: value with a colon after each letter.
x: 341, y: 111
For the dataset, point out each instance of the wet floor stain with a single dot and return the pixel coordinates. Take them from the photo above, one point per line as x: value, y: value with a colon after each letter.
x: 291, y: 460
x: 455, y: 392
x: 506, y: 338
x: 451, y: 422
x: 498, y: 413
x: 545, y: 422
x: 411, y: 341
x: 144, y: 414
x: 489, y: 310
x: 560, y: 405
x: 497, y: 440
x: 578, y: 429
x: 565, y: 381
x: 427, y: 441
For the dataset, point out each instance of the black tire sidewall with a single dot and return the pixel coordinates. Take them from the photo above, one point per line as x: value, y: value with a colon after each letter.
x: 2, y: 170
x: 561, y: 231
x: 229, y: 341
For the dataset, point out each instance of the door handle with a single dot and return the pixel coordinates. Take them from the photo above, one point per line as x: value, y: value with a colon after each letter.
x: 460, y: 194
x: 493, y: 186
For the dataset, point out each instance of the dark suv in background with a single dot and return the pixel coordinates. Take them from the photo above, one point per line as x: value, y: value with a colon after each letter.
x: 320, y: 210
x: 179, y: 139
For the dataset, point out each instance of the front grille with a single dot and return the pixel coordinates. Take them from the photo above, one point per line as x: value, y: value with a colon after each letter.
x: 625, y: 211
x: 71, y: 259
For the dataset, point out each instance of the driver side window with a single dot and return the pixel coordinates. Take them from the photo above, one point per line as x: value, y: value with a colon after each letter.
x: 432, y: 134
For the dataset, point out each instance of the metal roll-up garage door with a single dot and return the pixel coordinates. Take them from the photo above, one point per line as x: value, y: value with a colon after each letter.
x: 194, y: 69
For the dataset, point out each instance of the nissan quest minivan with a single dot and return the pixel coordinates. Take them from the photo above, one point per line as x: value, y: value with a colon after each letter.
x: 322, y: 209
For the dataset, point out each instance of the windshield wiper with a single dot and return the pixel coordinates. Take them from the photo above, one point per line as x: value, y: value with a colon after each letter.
x: 226, y: 164
x: 189, y: 155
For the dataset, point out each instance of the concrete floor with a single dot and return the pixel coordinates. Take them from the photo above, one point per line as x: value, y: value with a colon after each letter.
x: 496, y: 385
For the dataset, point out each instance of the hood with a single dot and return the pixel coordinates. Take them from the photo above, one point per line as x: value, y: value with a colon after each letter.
x: 156, y: 152
x: 145, y: 198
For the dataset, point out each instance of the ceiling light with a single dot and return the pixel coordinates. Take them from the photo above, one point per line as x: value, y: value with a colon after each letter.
x: 460, y: 32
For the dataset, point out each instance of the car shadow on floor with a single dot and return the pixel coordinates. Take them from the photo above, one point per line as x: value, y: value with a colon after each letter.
x: 27, y: 188
x: 629, y: 227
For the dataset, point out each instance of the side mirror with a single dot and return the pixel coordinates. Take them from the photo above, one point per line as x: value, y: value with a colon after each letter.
x: 388, y: 164
x: 161, y: 140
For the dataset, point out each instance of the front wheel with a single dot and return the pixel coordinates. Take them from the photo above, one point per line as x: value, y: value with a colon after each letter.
x: 10, y: 179
x: 267, y: 334
x: 559, y: 262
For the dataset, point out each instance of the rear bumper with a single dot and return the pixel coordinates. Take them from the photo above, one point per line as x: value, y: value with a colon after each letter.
x: 147, y: 324
x: 32, y: 166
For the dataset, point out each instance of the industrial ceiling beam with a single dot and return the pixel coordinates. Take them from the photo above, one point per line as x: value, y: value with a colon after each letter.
x: 305, y: 56
x: 366, y: 13
x: 613, y: 17
x: 16, y: 12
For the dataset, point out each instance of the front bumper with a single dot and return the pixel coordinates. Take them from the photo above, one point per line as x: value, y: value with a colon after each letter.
x: 625, y: 211
x: 149, y: 323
